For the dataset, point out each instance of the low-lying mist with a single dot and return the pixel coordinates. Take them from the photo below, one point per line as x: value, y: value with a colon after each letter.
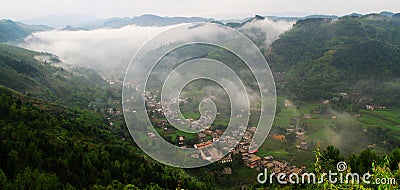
x: 105, y: 50
x: 109, y: 50
x: 264, y: 32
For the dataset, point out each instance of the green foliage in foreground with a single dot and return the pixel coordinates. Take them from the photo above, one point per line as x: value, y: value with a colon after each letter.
x: 381, y: 170
x: 45, y: 146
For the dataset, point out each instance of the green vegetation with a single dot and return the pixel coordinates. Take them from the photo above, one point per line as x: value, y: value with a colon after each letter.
x: 350, y: 132
x: 49, y: 146
x: 49, y: 81
x: 323, y: 57
x: 55, y: 130
x: 11, y: 31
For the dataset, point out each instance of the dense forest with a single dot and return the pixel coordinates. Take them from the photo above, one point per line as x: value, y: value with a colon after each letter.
x: 55, y: 133
x: 48, y: 146
x: 44, y: 76
x: 360, y: 56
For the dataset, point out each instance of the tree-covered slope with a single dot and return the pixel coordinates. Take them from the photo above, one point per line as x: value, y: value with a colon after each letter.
x: 356, y: 55
x: 11, y: 31
x: 46, y: 79
x: 47, y: 146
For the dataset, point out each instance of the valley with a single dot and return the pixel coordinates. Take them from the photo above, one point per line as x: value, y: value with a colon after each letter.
x: 337, y: 80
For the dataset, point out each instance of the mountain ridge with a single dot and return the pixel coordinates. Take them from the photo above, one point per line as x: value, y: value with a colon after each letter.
x: 11, y: 31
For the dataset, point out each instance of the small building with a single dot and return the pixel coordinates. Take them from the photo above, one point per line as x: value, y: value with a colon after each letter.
x: 302, y: 145
x: 252, y: 161
x: 370, y: 107
x: 300, y: 134
x: 289, y: 130
x: 203, y: 144
x: 226, y: 159
x: 316, y: 111
x: 280, y: 138
x: 219, y: 132
x: 269, y: 158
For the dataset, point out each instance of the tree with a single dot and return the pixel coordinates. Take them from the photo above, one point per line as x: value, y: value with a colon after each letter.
x: 330, y: 157
x: 4, y: 184
x: 365, y: 160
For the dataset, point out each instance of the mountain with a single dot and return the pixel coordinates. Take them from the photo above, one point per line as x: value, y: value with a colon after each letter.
x: 154, y: 20
x: 49, y: 146
x: 43, y: 76
x: 11, y: 31
x: 354, y: 15
x: 143, y: 20
x: 358, y: 55
x: 62, y: 20
x: 386, y: 13
x: 55, y: 132
x: 240, y: 23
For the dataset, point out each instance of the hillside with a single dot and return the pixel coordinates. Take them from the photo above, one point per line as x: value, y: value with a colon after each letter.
x: 11, y: 31
x: 56, y: 132
x: 48, y: 146
x: 356, y: 55
x: 40, y: 75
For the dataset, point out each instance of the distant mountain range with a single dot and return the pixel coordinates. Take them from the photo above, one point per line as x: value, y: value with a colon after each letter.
x: 62, y: 20
x: 15, y: 32
x: 143, y: 20
x: 85, y: 22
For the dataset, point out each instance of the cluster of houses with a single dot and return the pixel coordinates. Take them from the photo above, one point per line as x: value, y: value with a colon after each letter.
x: 209, y: 135
x: 166, y: 109
x: 275, y: 166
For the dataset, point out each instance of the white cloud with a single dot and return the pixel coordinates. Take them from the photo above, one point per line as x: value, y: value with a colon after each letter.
x: 110, y: 50
x: 107, y: 50
x: 269, y: 29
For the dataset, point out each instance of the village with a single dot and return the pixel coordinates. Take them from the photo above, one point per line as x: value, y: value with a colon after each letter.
x: 208, y: 135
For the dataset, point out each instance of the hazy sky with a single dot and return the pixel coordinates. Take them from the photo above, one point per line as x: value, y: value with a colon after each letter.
x: 28, y: 9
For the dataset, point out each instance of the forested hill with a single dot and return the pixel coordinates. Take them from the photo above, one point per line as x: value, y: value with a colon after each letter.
x: 43, y: 76
x: 47, y: 146
x: 55, y: 132
x: 11, y: 31
x: 356, y: 55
